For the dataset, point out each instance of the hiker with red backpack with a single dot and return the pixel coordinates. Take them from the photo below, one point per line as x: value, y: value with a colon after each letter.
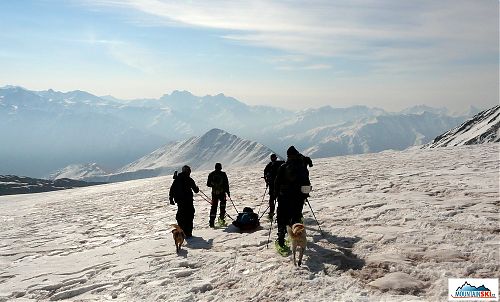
x: 219, y: 183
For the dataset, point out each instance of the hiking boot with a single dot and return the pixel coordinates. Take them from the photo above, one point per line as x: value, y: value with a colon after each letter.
x: 221, y: 221
x: 281, y: 242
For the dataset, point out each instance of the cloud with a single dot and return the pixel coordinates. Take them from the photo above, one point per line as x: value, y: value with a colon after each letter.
x: 134, y: 57
x: 381, y: 31
x: 318, y: 67
x: 124, y: 52
x: 304, y: 67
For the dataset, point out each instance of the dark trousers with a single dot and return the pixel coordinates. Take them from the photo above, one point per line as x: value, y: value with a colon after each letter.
x: 185, y: 217
x: 272, y: 200
x: 289, y: 212
x: 215, y: 202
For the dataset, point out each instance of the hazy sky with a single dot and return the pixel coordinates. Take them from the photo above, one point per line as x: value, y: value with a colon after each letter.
x: 294, y: 54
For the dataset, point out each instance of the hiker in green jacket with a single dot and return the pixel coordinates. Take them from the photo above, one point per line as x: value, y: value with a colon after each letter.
x: 219, y: 183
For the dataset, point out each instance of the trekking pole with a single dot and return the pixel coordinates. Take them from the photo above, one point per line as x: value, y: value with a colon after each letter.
x: 269, y: 235
x: 320, y: 230
x: 233, y: 204
x: 263, y: 196
x: 270, y: 228
x: 206, y: 197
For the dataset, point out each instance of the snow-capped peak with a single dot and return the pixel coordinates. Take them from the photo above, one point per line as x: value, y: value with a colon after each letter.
x: 482, y: 128
x: 78, y: 171
x: 200, y: 153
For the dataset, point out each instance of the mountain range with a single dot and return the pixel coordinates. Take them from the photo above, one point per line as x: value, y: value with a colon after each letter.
x: 14, y: 185
x: 44, y: 131
x: 200, y: 153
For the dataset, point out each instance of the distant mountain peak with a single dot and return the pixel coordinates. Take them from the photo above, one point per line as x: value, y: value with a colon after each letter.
x: 181, y: 93
x: 14, y: 87
x: 78, y: 171
x: 422, y: 108
x: 215, y: 131
x: 200, y: 153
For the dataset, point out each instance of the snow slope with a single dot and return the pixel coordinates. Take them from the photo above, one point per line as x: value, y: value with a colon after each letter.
x: 482, y: 128
x: 374, y: 134
x: 396, y: 226
x: 78, y: 171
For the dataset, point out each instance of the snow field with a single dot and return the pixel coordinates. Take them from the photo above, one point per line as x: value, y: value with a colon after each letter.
x: 396, y: 226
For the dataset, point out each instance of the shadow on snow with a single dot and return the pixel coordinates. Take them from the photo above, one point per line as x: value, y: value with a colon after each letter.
x: 196, y: 242
x: 336, y: 252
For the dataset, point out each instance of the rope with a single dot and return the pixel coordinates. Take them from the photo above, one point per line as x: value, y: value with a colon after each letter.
x: 233, y: 204
x: 206, y: 197
x: 263, y: 213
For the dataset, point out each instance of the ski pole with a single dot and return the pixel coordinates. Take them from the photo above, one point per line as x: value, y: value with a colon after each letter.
x: 320, y: 230
x: 263, y: 196
x: 269, y: 235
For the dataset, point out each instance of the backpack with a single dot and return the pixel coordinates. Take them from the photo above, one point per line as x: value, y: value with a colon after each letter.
x: 218, y: 183
x: 296, y: 174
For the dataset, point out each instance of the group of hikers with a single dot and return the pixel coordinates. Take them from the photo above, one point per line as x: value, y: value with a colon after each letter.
x: 285, y: 181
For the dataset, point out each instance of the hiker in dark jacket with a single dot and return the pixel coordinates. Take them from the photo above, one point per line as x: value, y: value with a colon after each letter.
x: 292, y: 175
x: 219, y: 183
x: 270, y: 172
x: 181, y: 192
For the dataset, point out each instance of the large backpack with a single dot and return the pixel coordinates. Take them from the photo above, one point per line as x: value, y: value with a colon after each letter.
x: 296, y: 174
x: 218, y: 183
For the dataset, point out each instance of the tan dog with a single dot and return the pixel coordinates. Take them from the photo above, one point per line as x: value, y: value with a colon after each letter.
x: 297, y: 234
x: 179, y: 237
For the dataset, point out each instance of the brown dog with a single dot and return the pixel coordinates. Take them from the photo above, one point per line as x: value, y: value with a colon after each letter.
x: 179, y: 237
x: 297, y: 235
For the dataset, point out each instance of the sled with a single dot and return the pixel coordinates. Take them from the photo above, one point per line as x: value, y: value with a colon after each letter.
x: 247, y: 220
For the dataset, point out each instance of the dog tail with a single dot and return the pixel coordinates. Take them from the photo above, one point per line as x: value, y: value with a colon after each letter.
x: 178, y: 228
x: 298, y: 229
